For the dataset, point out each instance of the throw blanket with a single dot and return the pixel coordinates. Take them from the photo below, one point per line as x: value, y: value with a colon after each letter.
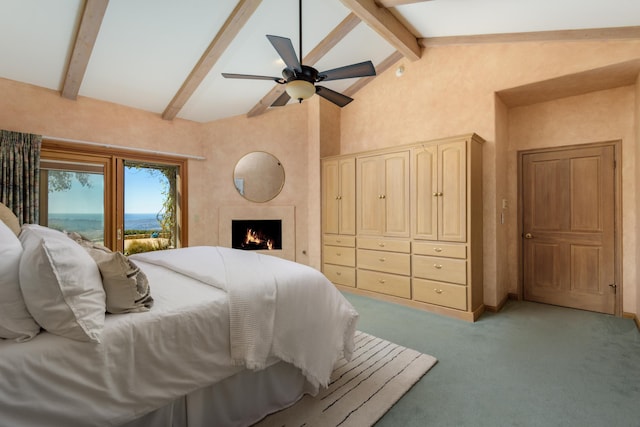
x: 276, y: 307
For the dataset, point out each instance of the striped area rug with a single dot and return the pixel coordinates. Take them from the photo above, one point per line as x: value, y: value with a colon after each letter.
x: 361, y: 390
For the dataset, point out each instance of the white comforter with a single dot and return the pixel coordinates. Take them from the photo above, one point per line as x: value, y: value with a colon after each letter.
x: 274, y: 305
x: 146, y: 360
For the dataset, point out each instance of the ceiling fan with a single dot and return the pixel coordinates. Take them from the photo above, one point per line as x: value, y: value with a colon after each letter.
x: 300, y: 80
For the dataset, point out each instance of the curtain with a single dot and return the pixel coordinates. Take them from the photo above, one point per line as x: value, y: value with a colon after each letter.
x: 20, y: 174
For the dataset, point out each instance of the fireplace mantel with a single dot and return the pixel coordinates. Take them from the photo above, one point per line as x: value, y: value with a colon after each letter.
x: 284, y: 213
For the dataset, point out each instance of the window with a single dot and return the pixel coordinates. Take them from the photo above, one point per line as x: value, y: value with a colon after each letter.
x: 127, y: 201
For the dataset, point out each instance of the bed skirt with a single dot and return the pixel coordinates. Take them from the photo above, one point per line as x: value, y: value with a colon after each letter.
x: 240, y: 400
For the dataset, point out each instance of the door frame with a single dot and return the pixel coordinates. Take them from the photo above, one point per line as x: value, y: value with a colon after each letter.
x: 617, y: 215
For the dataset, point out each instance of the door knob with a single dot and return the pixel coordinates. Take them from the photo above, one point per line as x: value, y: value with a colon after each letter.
x: 528, y: 236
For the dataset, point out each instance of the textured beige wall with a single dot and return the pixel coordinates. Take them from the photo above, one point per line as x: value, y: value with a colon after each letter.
x: 28, y: 108
x: 450, y: 91
x: 281, y: 132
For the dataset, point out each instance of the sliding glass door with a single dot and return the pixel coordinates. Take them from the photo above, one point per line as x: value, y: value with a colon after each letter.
x: 127, y: 202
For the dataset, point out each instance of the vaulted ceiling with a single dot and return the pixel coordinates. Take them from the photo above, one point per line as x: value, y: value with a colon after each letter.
x: 167, y: 56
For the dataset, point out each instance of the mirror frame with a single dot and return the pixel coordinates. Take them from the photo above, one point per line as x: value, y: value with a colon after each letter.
x: 268, y: 192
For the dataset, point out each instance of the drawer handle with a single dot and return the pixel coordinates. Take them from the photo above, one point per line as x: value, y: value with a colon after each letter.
x: 381, y: 281
x: 437, y: 249
x: 438, y: 266
x: 382, y: 260
x: 338, y: 273
x: 381, y: 244
x: 437, y: 291
x: 338, y: 241
x: 338, y: 253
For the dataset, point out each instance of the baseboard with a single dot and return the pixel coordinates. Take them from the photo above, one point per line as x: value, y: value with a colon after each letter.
x: 633, y: 317
x: 501, y: 303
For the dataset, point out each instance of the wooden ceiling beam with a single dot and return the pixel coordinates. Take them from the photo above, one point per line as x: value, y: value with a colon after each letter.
x: 589, y: 34
x: 90, y: 23
x: 393, y: 3
x: 380, y: 68
x: 232, y: 26
x: 337, y: 34
x: 388, y: 26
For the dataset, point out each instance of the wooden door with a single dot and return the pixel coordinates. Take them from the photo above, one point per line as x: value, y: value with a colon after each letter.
x: 395, y: 196
x: 330, y: 196
x: 568, y: 227
x: 424, y: 185
x: 370, y: 206
x: 347, y: 196
x: 452, y: 194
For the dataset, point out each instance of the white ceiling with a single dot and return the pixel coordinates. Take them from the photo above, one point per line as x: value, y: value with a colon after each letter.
x: 145, y: 49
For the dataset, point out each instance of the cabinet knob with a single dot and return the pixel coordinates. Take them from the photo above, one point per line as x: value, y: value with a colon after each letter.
x: 438, y: 266
x: 384, y: 196
x: 338, y: 253
x: 381, y: 281
x: 437, y: 291
x: 435, y: 194
x: 338, y: 273
x: 381, y: 259
x: 381, y: 244
x: 437, y: 249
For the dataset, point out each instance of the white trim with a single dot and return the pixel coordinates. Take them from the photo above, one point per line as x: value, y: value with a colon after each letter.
x: 120, y: 147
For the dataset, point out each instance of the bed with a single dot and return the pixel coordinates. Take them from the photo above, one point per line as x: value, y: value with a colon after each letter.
x: 218, y: 337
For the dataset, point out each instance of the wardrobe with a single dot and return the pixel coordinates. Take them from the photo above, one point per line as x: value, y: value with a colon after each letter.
x: 404, y: 224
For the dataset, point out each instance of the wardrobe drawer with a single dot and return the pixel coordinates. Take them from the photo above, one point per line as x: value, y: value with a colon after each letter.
x: 340, y: 275
x: 441, y: 269
x: 390, y: 284
x: 440, y: 249
x: 339, y: 240
x: 384, y: 244
x: 340, y: 255
x: 388, y: 262
x: 448, y: 295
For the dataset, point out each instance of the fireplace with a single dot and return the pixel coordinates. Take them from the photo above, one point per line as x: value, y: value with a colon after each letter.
x: 285, y: 215
x: 256, y: 234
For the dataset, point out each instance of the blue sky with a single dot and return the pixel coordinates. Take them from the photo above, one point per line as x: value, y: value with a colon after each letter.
x: 143, y: 194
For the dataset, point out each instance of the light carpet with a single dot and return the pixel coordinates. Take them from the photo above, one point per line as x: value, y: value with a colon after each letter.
x: 361, y: 390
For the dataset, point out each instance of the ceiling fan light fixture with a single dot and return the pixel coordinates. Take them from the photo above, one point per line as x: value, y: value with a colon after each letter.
x: 300, y: 89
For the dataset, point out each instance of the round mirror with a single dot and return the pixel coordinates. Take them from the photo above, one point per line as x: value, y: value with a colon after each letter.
x: 258, y: 176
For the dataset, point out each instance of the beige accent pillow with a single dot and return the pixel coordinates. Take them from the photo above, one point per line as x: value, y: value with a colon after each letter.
x: 126, y: 286
x: 61, y: 284
x: 15, y: 321
x: 8, y: 217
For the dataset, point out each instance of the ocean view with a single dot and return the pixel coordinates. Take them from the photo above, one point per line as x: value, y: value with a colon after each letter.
x: 92, y: 225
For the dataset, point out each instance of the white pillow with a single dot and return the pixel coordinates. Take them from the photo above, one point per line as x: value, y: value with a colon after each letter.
x: 126, y: 286
x: 15, y: 321
x: 61, y: 284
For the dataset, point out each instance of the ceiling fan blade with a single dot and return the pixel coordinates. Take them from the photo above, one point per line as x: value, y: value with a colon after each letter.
x: 282, y: 100
x: 331, y: 95
x: 285, y: 49
x: 250, y: 76
x: 362, y: 69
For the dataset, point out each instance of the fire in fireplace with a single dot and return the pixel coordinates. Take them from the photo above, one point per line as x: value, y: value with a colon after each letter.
x: 256, y: 234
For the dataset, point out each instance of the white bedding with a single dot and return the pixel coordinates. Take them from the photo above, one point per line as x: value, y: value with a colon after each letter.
x: 274, y: 306
x: 146, y: 360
